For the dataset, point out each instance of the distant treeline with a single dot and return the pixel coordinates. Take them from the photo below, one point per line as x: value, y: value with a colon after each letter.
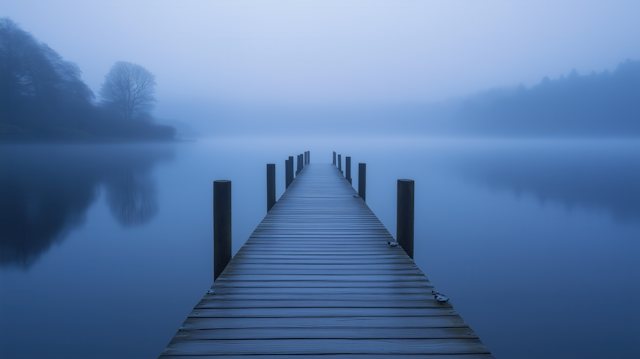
x: 604, y: 104
x: 43, y: 97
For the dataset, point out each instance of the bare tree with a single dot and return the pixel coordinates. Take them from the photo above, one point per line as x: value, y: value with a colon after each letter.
x: 129, y: 89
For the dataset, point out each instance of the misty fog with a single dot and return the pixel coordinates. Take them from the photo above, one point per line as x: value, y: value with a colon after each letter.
x: 518, y: 121
x: 595, y: 105
x: 243, y: 67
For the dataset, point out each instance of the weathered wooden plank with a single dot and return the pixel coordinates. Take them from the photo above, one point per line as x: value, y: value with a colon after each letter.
x: 387, y: 267
x: 313, y: 252
x: 314, y: 256
x: 326, y: 346
x: 336, y: 238
x: 318, y: 312
x: 340, y: 356
x: 453, y: 321
x: 279, y: 296
x: 329, y: 260
x: 322, y: 284
x: 424, y: 291
x: 215, y: 302
x: 327, y: 272
x: 327, y: 333
x: 328, y: 247
x: 323, y: 277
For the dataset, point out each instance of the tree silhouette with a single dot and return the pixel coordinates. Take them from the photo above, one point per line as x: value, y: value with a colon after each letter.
x: 43, y: 98
x: 129, y: 90
x: 37, y: 87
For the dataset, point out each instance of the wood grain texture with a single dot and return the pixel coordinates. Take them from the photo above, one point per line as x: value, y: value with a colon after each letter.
x: 452, y: 321
x: 326, y: 333
x: 340, y: 356
x: 326, y: 346
x: 317, y: 279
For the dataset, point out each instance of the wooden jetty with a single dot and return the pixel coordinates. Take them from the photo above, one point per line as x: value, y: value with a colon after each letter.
x: 317, y: 279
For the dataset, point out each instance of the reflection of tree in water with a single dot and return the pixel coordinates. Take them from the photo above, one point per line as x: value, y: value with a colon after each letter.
x: 132, y: 198
x: 34, y: 214
x: 45, y: 191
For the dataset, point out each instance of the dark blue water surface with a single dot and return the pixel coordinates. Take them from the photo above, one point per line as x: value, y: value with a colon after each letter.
x: 105, y: 249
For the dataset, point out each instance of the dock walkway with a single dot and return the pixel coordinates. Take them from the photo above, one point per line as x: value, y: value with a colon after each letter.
x: 317, y: 279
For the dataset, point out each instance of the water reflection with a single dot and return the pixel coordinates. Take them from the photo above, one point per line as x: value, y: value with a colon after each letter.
x: 132, y: 197
x: 45, y: 191
x: 591, y: 177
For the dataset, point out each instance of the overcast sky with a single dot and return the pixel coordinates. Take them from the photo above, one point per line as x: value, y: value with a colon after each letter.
x: 327, y: 52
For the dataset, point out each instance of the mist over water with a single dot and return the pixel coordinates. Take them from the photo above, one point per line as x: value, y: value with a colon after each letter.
x: 518, y: 121
x: 519, y: 234
x: 595, y: 105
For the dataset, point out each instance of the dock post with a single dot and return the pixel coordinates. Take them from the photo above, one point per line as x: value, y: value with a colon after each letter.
x: 340, y: 163
x: 348, y: 168
x: 291, y: 176
x: 289, y: 171
x: 404, y: 234
x: 309, y: 156
x: 221, y: 226
x: 334, y: 157
x: 271, y: 185
x: 299, y: 164
x: 362, y: 181
x: 286, y: 174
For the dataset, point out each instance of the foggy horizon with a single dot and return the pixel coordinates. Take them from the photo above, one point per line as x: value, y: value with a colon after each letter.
x: 210, y: 57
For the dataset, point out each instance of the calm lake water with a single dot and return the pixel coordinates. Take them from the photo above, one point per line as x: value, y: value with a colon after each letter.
x: 105, y: 249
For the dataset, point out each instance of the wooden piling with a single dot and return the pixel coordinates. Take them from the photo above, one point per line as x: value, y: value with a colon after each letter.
x: 340, y: 163
x: 405, y: 217
x: 334, y: 157
x: 221, y: 226
x: 271, y: 185
x: 291, y: 176
x: 362, y: 181
x: 289, y: 171
x: 286, y: 174
x: 348, y: 168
